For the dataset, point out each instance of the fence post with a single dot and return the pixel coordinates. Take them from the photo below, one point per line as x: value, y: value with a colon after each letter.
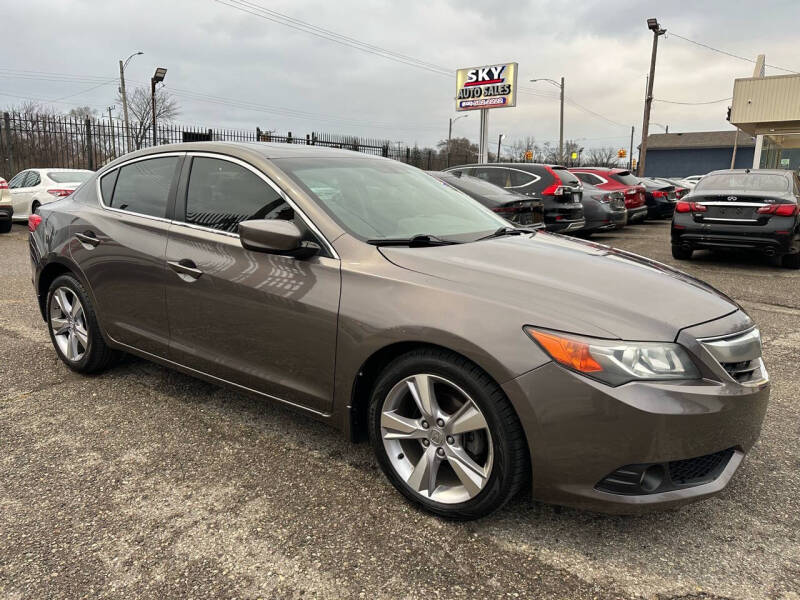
x: 308, y: 140
x: 429, y: 160
x: 289, y: 138
x: 408, y: 155
x: 9, y: 151
x: 313, y: 139
x: 385, y: 150
x: 258, y: 134
x: 89, y: 145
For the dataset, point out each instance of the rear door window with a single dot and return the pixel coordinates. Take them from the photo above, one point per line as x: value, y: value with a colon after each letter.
x: 143, y: 187
x: 222, y: 194
x: 17, y: 180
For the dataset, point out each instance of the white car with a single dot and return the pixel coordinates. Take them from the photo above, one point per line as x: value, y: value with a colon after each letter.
x: 693, y: 179
x: 34, y: 187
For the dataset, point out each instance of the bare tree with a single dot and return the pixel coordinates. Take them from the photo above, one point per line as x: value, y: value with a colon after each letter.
x: 141, y: 113
x: 522, y: 146
x: 602, y: 157
x: 83, y: 112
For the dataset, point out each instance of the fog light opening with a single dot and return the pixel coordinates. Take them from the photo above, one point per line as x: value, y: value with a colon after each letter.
x: 652, y: 478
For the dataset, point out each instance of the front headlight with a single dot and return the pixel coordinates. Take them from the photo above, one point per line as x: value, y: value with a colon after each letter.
x: 616, y: 362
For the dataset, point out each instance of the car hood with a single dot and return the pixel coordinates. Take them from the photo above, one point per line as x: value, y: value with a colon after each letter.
x: 574, y: 286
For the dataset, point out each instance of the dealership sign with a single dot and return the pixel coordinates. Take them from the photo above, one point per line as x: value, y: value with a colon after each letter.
x: 493, y: 86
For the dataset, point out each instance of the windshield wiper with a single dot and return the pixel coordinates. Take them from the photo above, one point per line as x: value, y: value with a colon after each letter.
x: 417, y: 241
x: 507, y: 231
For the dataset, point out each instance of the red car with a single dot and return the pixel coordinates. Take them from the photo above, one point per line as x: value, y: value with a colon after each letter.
x: 617, y: 180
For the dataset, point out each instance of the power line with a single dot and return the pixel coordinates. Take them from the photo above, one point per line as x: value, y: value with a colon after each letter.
x: 693, y: 103
x: 260, y: 11
x: 731, y: 54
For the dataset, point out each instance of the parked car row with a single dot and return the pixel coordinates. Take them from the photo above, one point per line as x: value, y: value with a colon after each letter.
x: 31, y: 188
x: 579, y: 201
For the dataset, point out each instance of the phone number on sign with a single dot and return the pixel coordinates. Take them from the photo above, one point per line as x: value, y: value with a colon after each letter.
x: 482, y: 102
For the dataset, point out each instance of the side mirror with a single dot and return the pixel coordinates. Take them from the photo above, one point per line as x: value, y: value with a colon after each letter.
x: 275, y: 237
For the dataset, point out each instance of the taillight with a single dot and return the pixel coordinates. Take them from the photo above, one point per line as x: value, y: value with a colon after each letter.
x: 685, y: 207
x: 554, y: 189
x: 660, y: 194
x: 3, y: 184
x: 33, y: 222
x: 779, y: 210
x: 506, y: 210
x: 60, y: 193
x: 605, y: 198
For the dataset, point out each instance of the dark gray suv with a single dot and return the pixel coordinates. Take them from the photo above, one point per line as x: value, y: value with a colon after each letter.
x: 478, y: 358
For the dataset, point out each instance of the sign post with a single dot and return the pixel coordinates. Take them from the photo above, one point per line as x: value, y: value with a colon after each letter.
x: 483, y: 88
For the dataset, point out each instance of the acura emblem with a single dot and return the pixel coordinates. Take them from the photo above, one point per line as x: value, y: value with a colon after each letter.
x: 732, y: 198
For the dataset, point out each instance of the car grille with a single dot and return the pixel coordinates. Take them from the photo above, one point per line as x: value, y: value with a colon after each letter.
x: 740, y: 356
x: 742, y: 371
x: 700, y: 469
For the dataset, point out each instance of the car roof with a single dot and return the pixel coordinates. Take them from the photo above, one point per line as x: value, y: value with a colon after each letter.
x: 783, y: 172
x: 601, y: 169
x: 268, y: 150
x: 520, y: 166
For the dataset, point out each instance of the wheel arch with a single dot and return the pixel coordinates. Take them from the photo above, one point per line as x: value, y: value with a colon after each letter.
x: 367, y: 374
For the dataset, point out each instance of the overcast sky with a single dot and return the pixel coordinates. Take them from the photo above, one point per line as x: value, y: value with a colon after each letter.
x: 602, y: 48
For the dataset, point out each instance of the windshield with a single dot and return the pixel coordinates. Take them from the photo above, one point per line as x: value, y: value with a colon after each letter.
x: 377, y: 199
x: 624, y: 177
x: 740, y: 182
x: 69, y: 176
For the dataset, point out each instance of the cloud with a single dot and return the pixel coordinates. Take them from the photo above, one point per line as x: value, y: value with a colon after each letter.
x: 301, y: 83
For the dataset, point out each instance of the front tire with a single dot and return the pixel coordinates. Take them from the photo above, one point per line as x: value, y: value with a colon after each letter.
x: 5, y: 226
x: 681, y: 253
x: 73, y: 327
x: 446, y: 436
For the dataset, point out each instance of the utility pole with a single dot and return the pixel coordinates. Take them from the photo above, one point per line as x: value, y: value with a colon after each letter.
x: 630, y: 154
x: 125, y: 99
x: 110, y: 119
x: 561, y: 123
x: 735, y: 145
x: 653, y: 25
x: 499, y: 140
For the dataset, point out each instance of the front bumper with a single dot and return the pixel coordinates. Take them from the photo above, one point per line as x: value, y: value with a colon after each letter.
x: 580, y: 431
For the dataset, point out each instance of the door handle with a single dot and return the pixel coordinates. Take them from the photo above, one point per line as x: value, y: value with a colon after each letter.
x: 185, y: 267
x: 88, y: 237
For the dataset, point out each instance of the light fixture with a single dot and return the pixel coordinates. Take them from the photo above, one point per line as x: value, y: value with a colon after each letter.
x: 159, y: 75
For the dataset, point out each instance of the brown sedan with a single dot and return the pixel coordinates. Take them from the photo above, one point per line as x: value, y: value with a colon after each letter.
x: 478, y: 358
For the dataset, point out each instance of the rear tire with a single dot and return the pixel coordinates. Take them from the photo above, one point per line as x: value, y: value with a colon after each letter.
x: 463, y: 460
x: 791, y: 261
x: 74, y: 330
x: 5, y: 226
x: 681, y: 253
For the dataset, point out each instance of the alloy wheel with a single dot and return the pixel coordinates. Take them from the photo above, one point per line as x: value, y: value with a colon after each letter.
x: 68, y: 324
x: 437, y: 439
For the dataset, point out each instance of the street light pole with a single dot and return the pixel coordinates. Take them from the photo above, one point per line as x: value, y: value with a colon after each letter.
x: 560, y: 86
x: 450, y: 134
x: 499, y: 140
x: 157, y: 77
x: 125, y: 99
x: 653, y: 25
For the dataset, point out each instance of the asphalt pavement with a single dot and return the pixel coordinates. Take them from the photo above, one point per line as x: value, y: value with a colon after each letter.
x: 145, y: 483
